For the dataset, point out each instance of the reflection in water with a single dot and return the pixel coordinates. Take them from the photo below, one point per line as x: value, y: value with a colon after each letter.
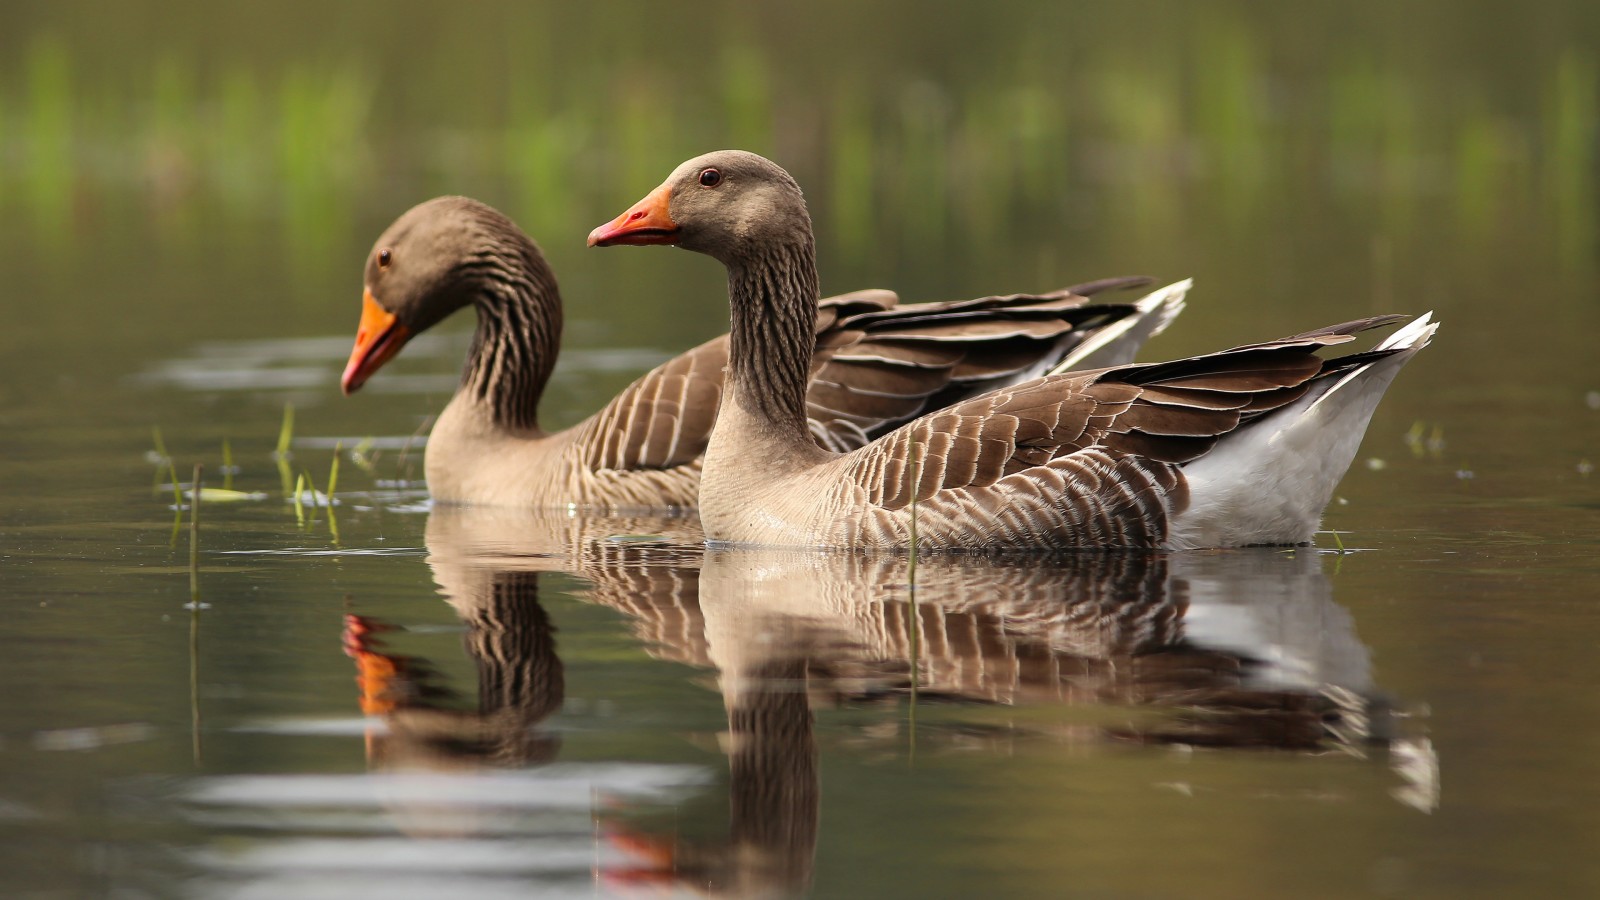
x: 1241, y: 650
x: 520, y: 683
x: 487, y: 564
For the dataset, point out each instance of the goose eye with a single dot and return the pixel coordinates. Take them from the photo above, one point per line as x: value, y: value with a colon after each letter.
x: 710, y: 178
x: 383, y: 258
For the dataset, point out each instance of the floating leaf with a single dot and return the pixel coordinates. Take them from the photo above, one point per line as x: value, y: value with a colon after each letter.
x: 226, y: 495
x: 636, y: 539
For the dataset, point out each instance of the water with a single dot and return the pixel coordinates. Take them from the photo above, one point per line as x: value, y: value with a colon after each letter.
x: 388, y: 700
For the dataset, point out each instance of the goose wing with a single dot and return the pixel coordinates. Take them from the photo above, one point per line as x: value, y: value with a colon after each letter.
x: 879, y: 364
x: 663, y: 420
x: 1137, y: 423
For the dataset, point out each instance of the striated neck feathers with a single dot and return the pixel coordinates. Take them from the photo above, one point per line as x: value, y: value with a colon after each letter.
x: 519, y: 328
x: 773, y: 295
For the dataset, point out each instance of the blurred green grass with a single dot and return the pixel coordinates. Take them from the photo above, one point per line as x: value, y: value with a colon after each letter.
x: 1200, y: 126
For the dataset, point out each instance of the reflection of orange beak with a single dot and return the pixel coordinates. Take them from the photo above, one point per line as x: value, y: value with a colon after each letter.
x: 658, y: 865
x: 376, y: 672
x: 378, y: 339
x: 646, y: 222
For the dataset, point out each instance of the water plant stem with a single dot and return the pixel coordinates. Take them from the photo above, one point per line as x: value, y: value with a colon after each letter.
x: 194, y: 616
x: 333, y: 470
x: 177, y: 502
x: 286, y: 431
x: 333, y: 482
x: 913, y: 617
x: 161, y: 458
x: 400, y: 463
x: 317, y: 500
x: 194, y: 538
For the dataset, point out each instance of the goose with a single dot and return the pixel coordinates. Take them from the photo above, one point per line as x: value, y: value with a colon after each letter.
x: 873, y: 363
x: 1234, y: 448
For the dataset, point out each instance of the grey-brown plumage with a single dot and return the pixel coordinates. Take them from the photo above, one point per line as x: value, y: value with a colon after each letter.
x: 875, y: 363
x: 1238, y: 447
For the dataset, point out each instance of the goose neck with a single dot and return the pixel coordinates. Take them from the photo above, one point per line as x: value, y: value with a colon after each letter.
x: 773, y: 301
x: 517, y: 339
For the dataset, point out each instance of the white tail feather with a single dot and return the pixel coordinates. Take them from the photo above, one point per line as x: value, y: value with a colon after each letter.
x: 1268, y: 482
x: 1413, y: 337
x: 1118, y: 343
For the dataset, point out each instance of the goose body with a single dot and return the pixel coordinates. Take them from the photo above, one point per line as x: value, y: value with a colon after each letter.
x: 872, y: 363
x: 1233, y: 448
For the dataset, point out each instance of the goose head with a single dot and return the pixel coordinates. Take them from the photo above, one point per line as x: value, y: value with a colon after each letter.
x: 422, y: 269
x: 731, y: 205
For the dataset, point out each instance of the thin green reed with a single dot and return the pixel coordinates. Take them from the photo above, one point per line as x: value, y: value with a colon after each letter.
x: 1227, y: 115
x: 194, y: 615
x: 171, y: 146
x: 1374, y: 136
x: 161, y: 458
x: 851, y: 185
x: 285, y: 432
x: 1136, y: 102
x: 1008, y: 158
x: 913, y: 615
x: 746, y: 96
x: 194, y: 536
x: 983, y: 174
x: 1401, y: 152
x: 647, y: 130
x: 48, y: 130
x: 177, y: 504
x: 1572, y: 123
x: 333, y: 485
x: 322, y: 153
x: 921, y: 150
x: 236, y: 154
x: 1482, y: 152
x: 541, y: 153
x: 1041, y: 122
x: 282, y: 454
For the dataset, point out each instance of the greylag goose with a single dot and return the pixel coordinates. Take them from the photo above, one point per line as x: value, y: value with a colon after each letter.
x: 1239, y: 447
x: 873, y: 362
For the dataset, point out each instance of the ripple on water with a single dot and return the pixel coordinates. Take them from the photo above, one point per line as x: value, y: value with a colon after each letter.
x: 338, y: 834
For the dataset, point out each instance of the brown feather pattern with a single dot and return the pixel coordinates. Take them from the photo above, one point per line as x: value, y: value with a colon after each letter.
x: 1091, y: 459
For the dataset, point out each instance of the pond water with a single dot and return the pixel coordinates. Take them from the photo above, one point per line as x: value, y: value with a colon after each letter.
x: 380, y: 698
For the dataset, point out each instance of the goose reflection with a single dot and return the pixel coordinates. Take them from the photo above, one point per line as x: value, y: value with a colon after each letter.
x: 1247, y: 649
x: 1240, y: 649
x: 487, y: 565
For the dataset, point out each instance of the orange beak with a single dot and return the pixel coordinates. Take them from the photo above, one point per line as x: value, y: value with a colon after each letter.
x: 646, y: 222
x: 378, y: 339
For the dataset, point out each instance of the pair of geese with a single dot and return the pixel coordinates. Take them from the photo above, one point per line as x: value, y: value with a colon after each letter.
x: 1008, y: 422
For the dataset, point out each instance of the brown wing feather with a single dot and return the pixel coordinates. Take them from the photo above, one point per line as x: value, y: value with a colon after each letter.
x: 875, y: 368
x: 663, y: 419
x: 878, y: 363
x: 1167, y: 414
